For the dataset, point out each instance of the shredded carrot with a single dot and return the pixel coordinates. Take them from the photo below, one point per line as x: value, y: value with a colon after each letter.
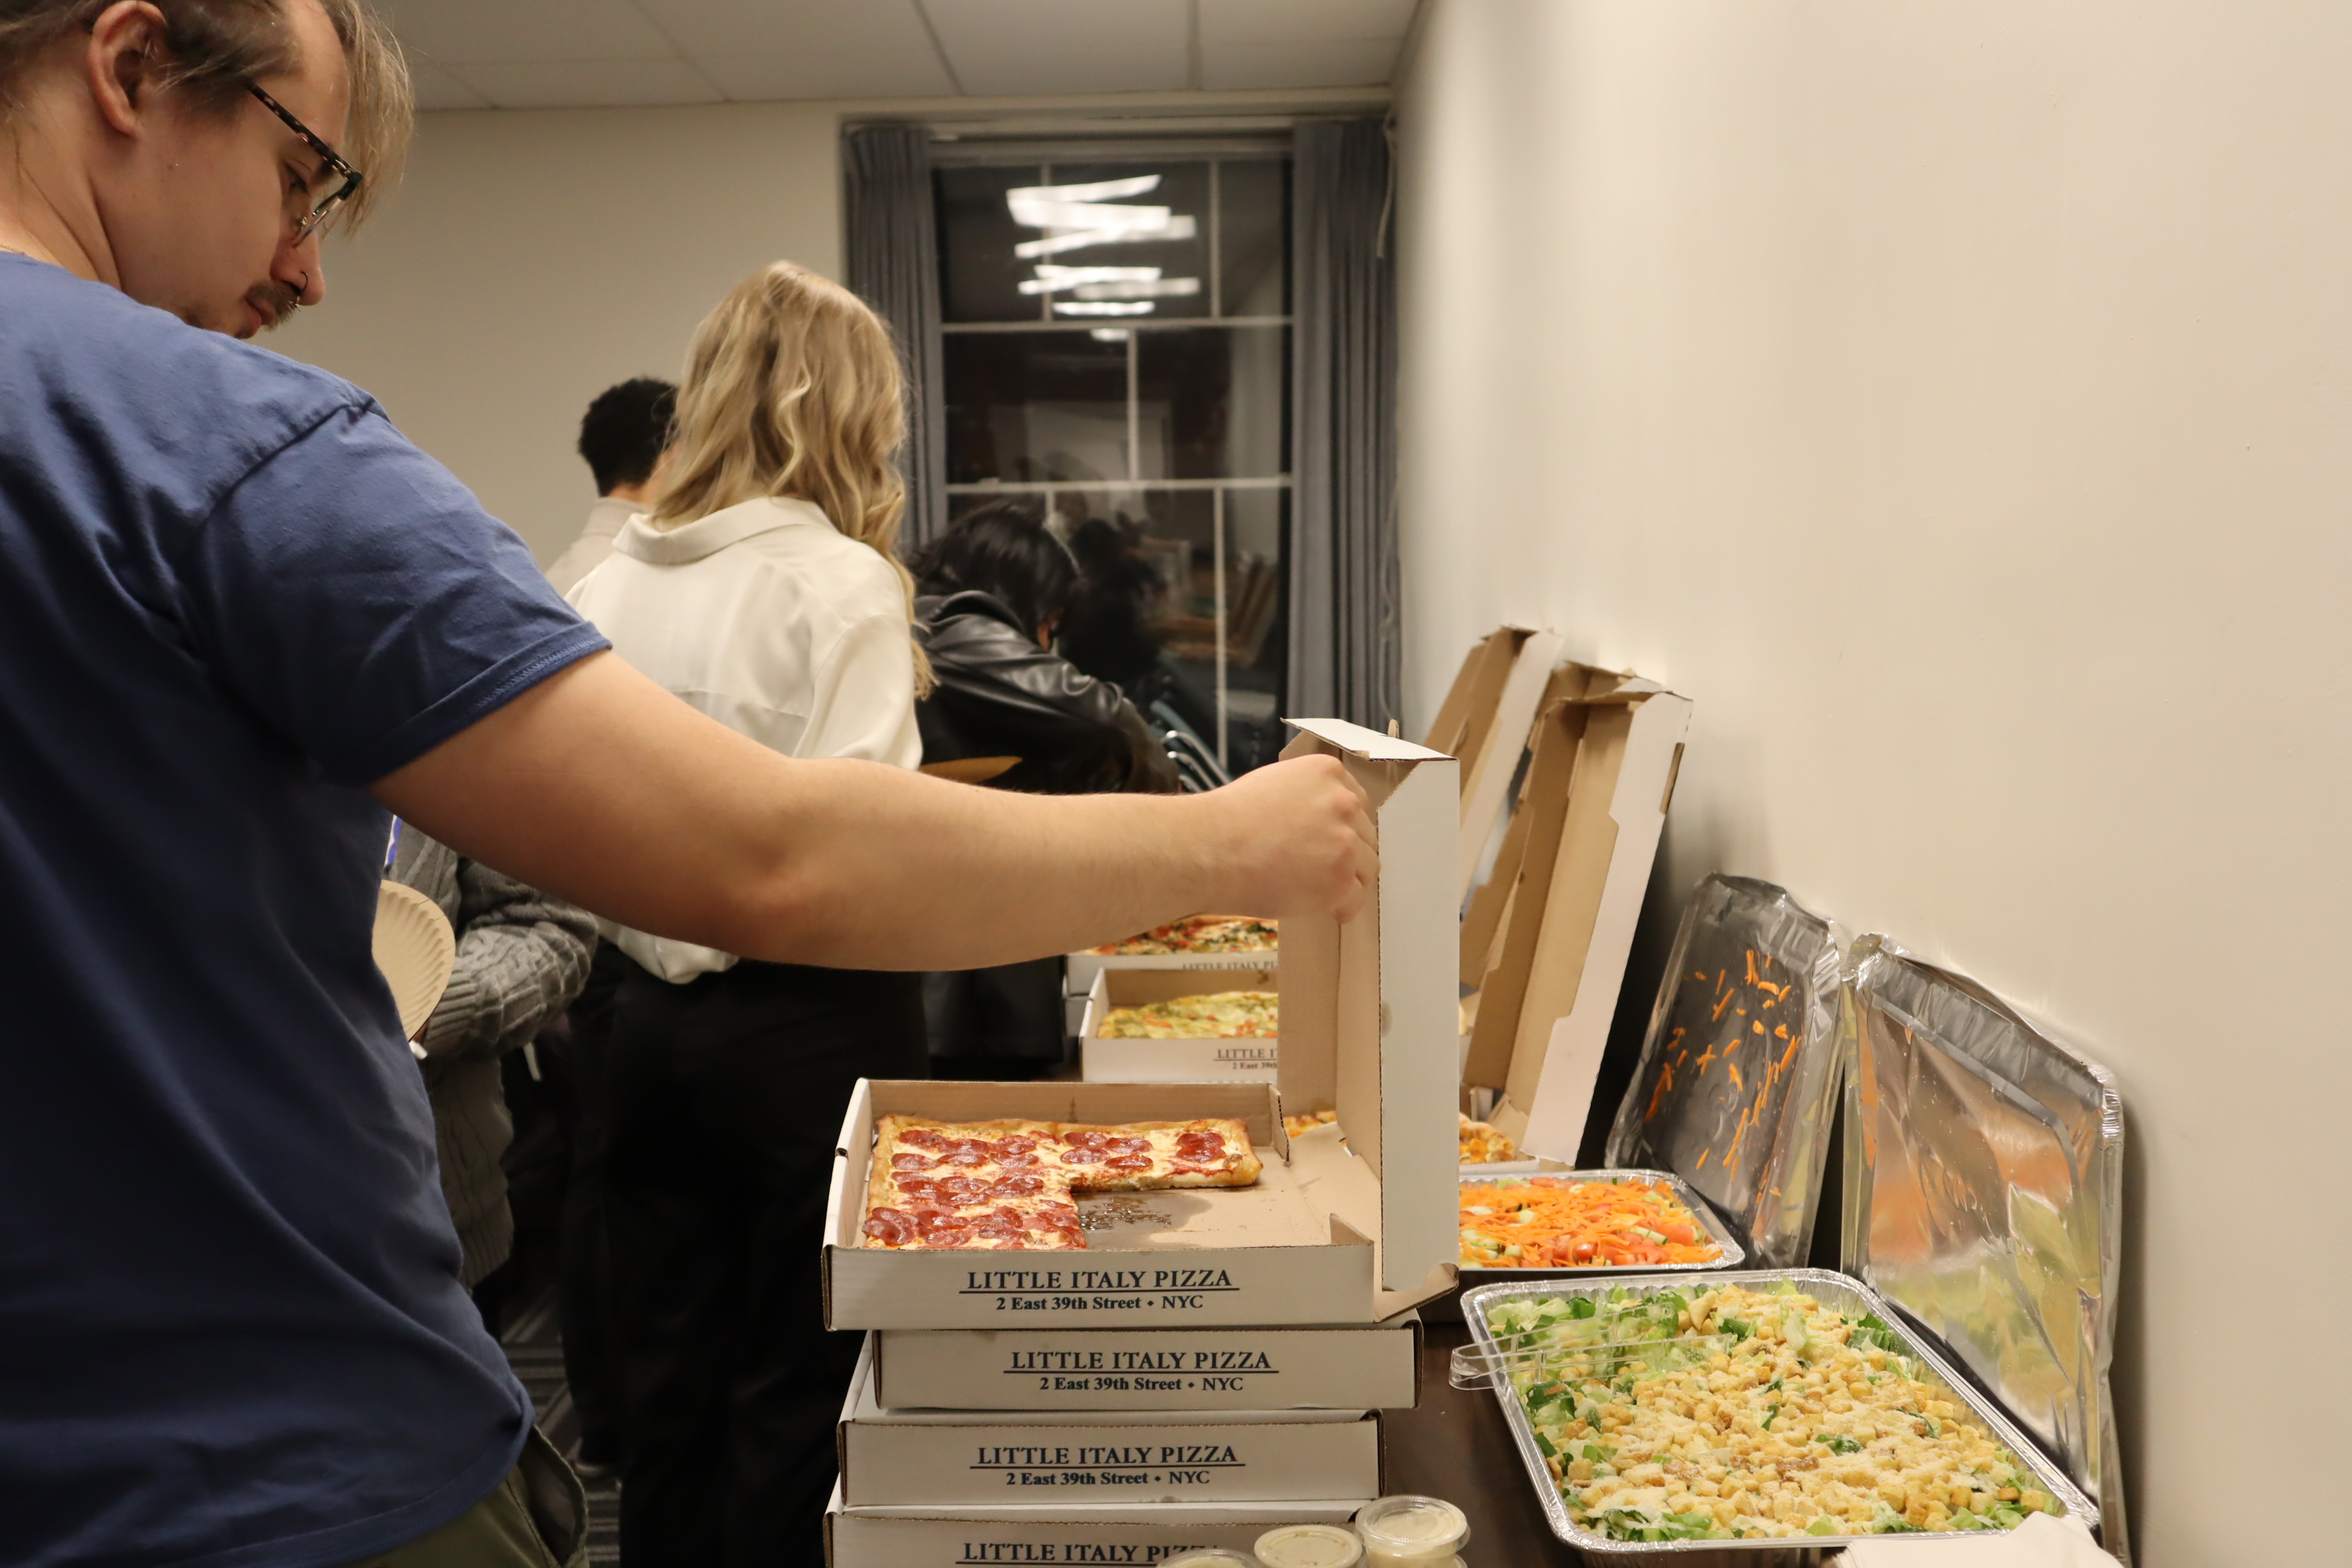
x: 1780, y: 1032
x: 1720, y: 1007
x: 1702, y: 1160
x: 1733, y: 1068
x: 1557, y: 1223
x: 1751, y: 966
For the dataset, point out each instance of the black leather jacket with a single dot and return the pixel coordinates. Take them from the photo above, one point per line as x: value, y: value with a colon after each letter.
x: 1001, y: 695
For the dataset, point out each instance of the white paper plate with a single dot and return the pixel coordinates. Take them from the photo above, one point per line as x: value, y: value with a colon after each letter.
x: 415, y: 949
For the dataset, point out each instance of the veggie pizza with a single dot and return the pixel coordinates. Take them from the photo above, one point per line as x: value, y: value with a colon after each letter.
x: 1200, y: 934
x: 1010, y: 1186
x: 1220, y: 1016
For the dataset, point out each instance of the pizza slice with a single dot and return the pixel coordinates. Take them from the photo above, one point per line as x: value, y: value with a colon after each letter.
x: 1152, y: 1156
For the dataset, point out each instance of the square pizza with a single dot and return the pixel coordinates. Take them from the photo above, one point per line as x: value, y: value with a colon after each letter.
x: 1010, y: 1186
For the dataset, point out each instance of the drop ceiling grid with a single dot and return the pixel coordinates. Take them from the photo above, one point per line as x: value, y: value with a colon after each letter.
x: 517, y: 54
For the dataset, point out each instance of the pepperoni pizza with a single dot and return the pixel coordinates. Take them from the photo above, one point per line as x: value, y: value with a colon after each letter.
x: 1010, y: 1186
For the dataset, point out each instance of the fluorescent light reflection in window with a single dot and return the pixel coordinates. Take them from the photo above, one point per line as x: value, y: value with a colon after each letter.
x: 1101, y: 308
x: 1180, y: 227
x: 1051, y: 278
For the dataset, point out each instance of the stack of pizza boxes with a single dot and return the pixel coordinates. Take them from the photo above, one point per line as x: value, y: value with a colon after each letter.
x: 1213, y: 1362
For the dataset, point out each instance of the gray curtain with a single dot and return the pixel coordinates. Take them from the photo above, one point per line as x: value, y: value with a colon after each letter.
x: 1346, y: 653
x: 894, y: 266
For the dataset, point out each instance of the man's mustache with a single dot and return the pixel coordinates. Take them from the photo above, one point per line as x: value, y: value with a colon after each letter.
x: 275, y: 302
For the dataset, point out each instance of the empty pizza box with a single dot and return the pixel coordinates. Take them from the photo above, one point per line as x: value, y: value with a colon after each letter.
x: 933, y: 1457
x: 1546, y: 936
x: 1352, y: 1223
x: 1484, y: 721
x: 1247, y: 1059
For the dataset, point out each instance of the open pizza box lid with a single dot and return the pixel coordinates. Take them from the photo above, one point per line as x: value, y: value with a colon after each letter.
x: 1544, y: 940
x: 1484, y: 721
x: 1352, y: 1222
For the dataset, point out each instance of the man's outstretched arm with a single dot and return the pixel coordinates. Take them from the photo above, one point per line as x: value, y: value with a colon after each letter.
x: 603, y: 789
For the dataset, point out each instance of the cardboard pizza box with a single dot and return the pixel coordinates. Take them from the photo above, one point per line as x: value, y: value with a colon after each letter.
x: 936, y: 1457
x: 1372, y: 1367
x: 1082, y: 967
x: 1483, y: 721
x: 1208, y: 1059
x: 1063, y: 1530
x: 1349, y: 1224
x: 1545, y: 939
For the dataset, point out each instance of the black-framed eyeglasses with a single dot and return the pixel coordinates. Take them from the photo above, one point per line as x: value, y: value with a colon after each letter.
x: 307, y: 223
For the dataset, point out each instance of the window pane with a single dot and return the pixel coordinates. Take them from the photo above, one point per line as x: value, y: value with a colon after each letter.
x: 1253, y: 220
x: 1114, y: 250
x: 1034, y: 406
x: 1211, y: 402
x: 980, y: 275
x: 1256, y: 624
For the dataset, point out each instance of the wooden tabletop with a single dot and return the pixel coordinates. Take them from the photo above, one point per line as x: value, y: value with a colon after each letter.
x: 1454, y: 1446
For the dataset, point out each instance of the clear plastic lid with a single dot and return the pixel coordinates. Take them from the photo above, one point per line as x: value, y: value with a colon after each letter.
x: 1411, y: 1530
x: 1309, y: 1546
x: 1210, y: 1557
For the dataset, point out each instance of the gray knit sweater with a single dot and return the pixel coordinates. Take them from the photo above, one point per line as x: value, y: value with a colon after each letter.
x: 522, y: 958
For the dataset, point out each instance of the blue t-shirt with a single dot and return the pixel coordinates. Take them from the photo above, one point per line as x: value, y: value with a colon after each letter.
x: 231, y: 595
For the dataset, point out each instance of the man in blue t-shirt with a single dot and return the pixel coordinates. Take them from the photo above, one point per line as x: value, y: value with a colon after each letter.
x: 240, y: 616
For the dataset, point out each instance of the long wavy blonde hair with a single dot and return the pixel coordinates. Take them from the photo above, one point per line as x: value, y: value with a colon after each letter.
x: 793, y: 389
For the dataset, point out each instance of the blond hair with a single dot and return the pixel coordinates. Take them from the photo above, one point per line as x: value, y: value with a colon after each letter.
x: 793, y: 390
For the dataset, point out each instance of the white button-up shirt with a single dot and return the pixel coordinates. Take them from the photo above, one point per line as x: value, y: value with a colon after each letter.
x: 768, y: 620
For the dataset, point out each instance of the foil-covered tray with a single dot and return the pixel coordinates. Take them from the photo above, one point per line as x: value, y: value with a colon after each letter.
x: 1739, y: 1070
x: 1734, y: 1255
x: 1840, y: 1293
x: 1983, y: 1197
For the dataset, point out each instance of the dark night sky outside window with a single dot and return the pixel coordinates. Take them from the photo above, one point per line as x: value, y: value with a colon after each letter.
x: 1116, y: 346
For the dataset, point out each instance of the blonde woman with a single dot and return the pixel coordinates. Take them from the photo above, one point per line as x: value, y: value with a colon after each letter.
x: 762, y: 587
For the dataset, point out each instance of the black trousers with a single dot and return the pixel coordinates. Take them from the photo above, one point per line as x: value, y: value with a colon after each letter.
x: 727, y: 1095
x: 584, y: 1289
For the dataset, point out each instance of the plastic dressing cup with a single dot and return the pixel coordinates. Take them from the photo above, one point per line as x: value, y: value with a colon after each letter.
x: 1411, y: 1532
x: 1309, y: 1546
x: 1207, y: 1557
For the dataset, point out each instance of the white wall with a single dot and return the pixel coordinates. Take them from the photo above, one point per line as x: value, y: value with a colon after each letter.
x: 533, y: 258
x: 1954, y: 401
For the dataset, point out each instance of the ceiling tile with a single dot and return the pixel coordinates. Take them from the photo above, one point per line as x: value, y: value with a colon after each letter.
x: 806, y: 48
x: 1018, y: 46
x: 754, y: 78
x: 437, y: 89
x: 583, y: 84
x: 1345, y: 62
x: 1227, y: 22
x: 468, y: 32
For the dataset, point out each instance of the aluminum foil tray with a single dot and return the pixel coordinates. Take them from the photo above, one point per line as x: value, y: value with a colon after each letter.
x: 1840, y: 1293
x: 1739, y: 1070
x: 1734, y: 1255
x: 1984, y: 1197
